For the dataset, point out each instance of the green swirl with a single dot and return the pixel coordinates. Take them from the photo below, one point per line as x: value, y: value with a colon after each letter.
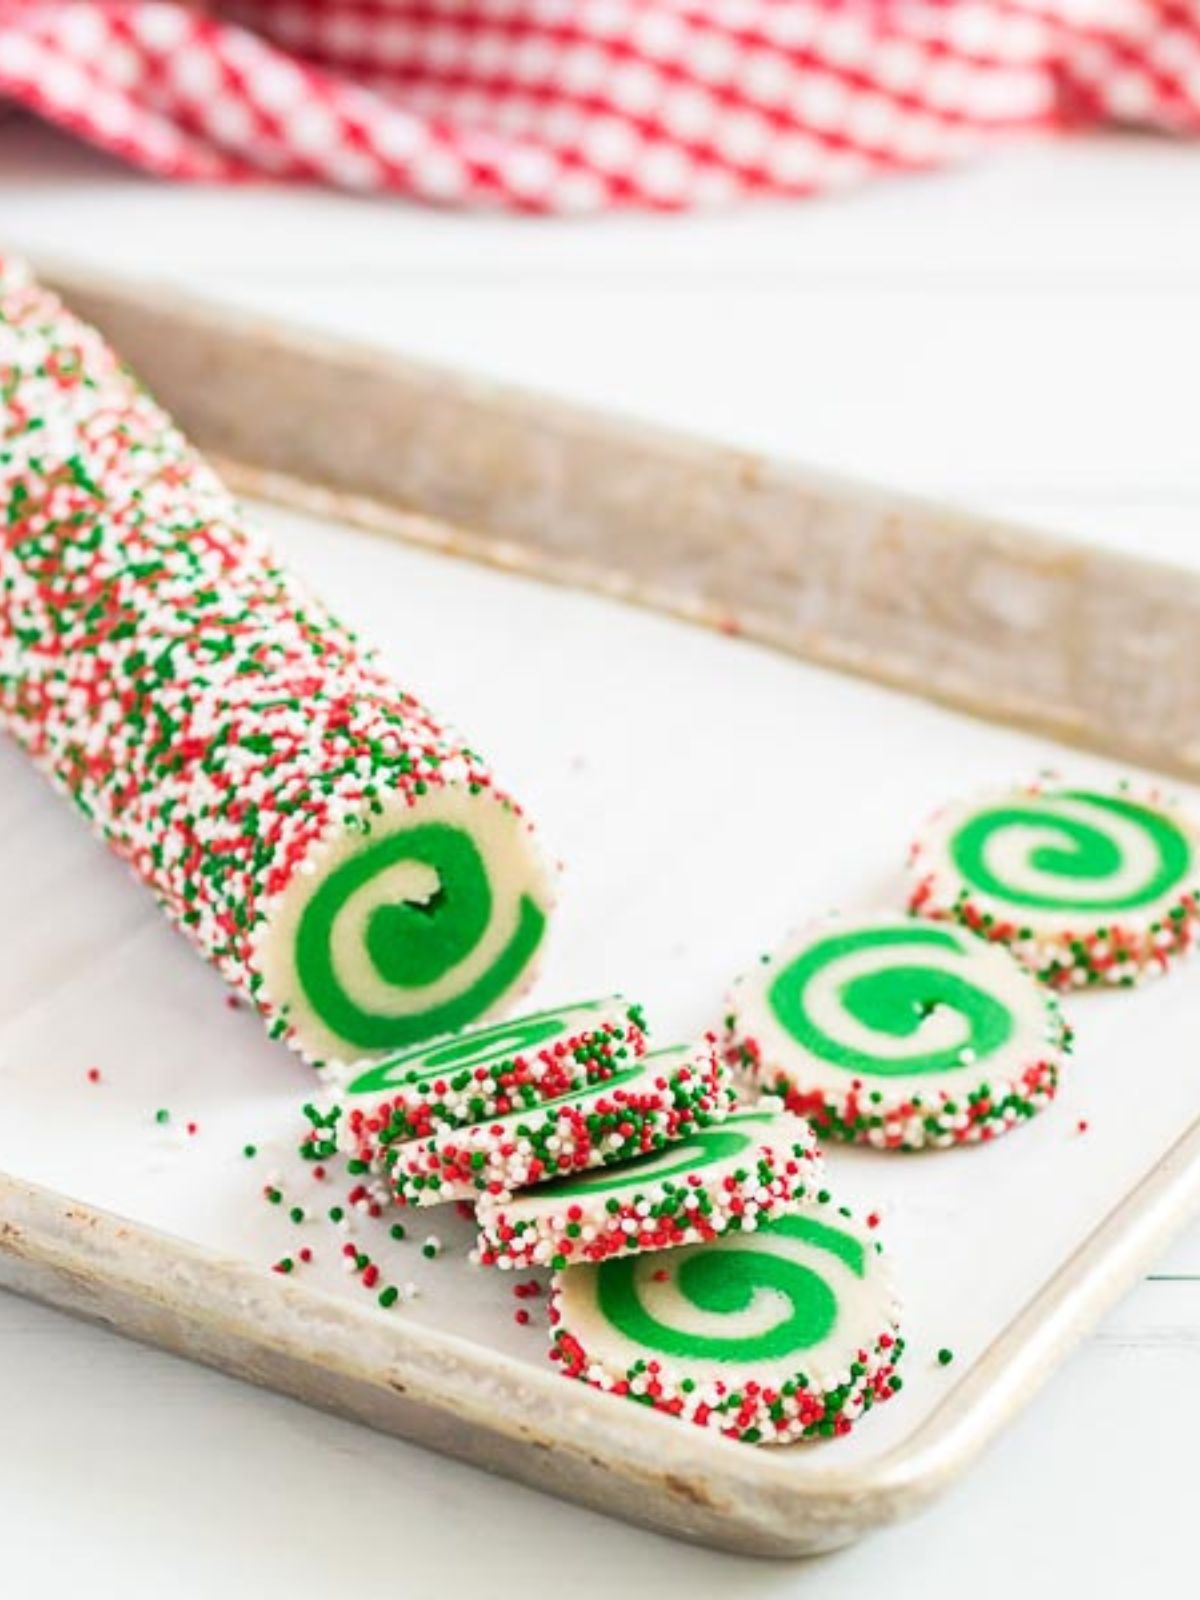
x: 1086, y: 853
x: 701, y: 1149
x: 893, y: 1001
x: 412, y: 944
x: 724, y: 1281
x: 480, y: 1048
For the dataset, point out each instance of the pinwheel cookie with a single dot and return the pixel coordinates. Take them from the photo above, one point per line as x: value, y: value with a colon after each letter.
x: 897, y: 1032
x: 480, y: 1074
x: 1085, y: 887
x: 788, y: 1333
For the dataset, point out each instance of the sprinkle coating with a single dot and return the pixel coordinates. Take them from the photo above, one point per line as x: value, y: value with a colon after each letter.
x: 730, y: 1177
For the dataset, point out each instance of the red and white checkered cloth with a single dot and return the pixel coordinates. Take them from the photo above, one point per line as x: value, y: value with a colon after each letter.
x: 579, y: 105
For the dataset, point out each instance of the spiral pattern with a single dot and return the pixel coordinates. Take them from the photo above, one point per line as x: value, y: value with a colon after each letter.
x: 866, y: 1000
x: 775, y: 1303
x: 414, y: 934
x: 899, y: 1032
x: 1071, y: 850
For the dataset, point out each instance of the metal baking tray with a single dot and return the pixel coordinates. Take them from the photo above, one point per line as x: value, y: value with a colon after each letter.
x: 932, y: 647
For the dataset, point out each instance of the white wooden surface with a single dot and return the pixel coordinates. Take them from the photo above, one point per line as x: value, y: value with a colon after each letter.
x: 1024, y: 337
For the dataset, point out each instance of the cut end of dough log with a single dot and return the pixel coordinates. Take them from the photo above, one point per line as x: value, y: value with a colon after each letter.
x: 415, y: 920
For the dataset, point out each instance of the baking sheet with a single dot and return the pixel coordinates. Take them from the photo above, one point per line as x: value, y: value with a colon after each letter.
x: 705, y: 795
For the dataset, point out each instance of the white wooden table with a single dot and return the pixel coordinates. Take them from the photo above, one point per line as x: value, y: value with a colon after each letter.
x: 1024, y: 337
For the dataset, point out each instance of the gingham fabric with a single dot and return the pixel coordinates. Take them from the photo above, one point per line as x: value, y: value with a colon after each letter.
x: 580, y: 105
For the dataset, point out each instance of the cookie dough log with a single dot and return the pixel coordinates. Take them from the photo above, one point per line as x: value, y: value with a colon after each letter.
x: 786, y: 1334
x: 345, y: 860
x: 897, y: 1032
x: 729, y: 1178
x: 1088, y: 888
